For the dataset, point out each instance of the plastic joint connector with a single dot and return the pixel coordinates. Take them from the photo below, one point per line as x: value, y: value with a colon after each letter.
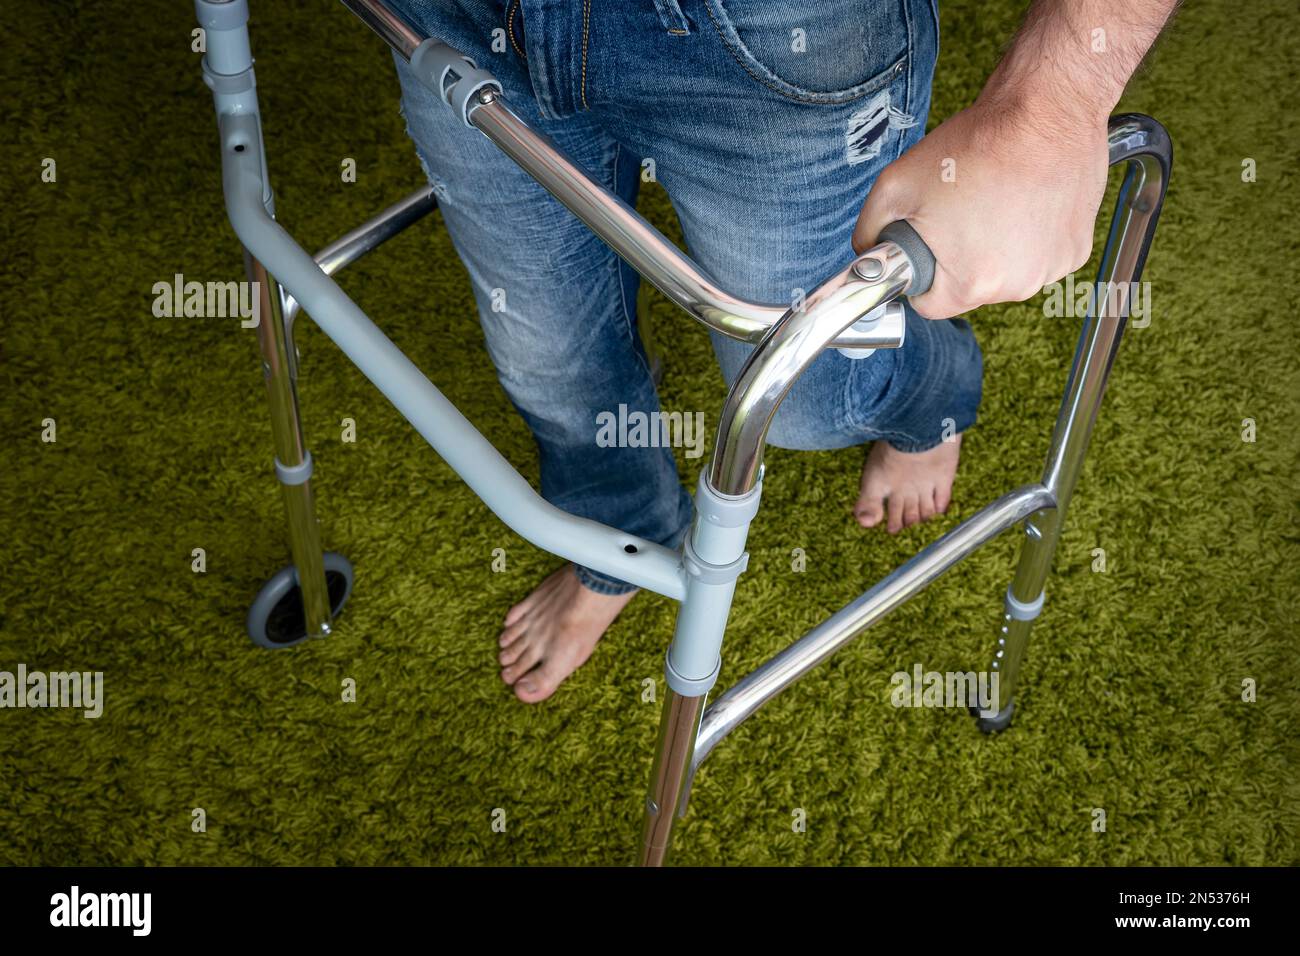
x: 707, y: 573
x: 294, y: 474
x: 228, y: 84
x: 221, y: 14
x: 723, y: 511
x: 688, y: 687
x: 1019, y: 611
x: 452, y: 75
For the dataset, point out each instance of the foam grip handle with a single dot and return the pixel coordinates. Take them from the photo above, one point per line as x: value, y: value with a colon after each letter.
x: 902, y: 234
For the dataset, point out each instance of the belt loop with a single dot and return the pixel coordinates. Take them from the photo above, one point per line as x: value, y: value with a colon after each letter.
x: 670, y: 14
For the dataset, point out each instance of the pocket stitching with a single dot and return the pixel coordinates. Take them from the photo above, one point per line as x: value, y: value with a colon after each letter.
x: 796, y: 93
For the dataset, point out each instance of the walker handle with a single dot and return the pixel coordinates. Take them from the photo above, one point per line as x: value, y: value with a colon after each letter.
x: 901, y: 234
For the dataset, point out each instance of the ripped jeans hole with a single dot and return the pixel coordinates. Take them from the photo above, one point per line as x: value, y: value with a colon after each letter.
x: 439, y: 187
x: 867, y: 127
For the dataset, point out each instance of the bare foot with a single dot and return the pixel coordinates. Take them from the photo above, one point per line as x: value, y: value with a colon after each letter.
x: 551, y: 633
x: 916, y: 485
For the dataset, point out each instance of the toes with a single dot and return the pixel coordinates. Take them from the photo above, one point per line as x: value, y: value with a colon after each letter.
x: 513, y: 651
x: 870, y: 509
x: 519, y: 610
x: 513, y: 632
x: 538, y: 597
x: 523, y: 663
x: 911, y: 508
x: 927, y: 504
x: 540, y: 683
x: 942, y: 497
x: 895, y: 512
x: 552, y: 632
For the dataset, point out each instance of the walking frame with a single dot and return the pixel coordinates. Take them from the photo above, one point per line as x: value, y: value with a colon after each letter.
x: 856, y: 311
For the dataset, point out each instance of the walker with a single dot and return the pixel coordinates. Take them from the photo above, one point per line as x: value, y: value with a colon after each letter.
x: 856, y: 311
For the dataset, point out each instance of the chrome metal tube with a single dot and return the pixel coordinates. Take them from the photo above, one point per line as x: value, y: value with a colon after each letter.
x: 677, y: 731
x: 390, y: 25
x: 290, y: 451
x: 764, y: 683
x: 628, y: 234
x: 1144, y: 145
x: 375, y: 231
x: 876, y: 278
x: 613, y: 220
x: 352, y: 245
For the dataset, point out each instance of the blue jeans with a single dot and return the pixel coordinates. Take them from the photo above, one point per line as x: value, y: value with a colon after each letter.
x: 767, y: 125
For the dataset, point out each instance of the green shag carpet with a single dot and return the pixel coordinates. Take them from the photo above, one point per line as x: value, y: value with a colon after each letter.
x: 1132, y: 700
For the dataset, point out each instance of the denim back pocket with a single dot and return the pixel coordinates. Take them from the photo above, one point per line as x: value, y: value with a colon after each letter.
x: 815, y: 51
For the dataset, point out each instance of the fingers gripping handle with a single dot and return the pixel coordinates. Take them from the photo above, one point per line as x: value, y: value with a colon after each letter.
x: 902, y: 234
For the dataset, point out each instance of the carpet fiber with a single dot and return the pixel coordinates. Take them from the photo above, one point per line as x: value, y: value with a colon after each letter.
x: 1132, y: 694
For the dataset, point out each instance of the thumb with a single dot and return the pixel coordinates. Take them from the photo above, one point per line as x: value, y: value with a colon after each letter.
x: 886, y: 203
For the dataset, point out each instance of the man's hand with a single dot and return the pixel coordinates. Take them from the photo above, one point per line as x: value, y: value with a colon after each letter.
x: 1006, y: 192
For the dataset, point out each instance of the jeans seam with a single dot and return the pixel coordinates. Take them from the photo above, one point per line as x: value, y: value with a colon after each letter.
x: 860, y: 419
x: 586, y: 23
x: 735, y: 56
x: 855, y: 413
x: 907, y: 77
x: 672, y: 17
x: 629, y: 316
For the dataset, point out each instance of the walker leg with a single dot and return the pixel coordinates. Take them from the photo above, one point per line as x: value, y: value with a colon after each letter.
x: 678, y: 728
x: 293, y: 463
x: 713, y: 556
x: 296, y: 603
x: 1143, y: 145
x: 1024, y: 599
x: 1093, y: 360
x: 1024, y: 602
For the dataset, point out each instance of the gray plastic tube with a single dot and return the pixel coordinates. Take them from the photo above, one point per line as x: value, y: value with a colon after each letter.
x: 509, y: 496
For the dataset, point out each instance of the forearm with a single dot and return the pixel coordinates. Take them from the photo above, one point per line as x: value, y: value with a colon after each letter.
x: 1071, y: 59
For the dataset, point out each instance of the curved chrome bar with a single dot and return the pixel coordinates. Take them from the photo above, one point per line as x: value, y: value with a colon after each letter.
x: 643, y: 246
x: 1134, y: 135
x: 613, y: 220
x: 787, y: 350
x: 1143, y: 143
